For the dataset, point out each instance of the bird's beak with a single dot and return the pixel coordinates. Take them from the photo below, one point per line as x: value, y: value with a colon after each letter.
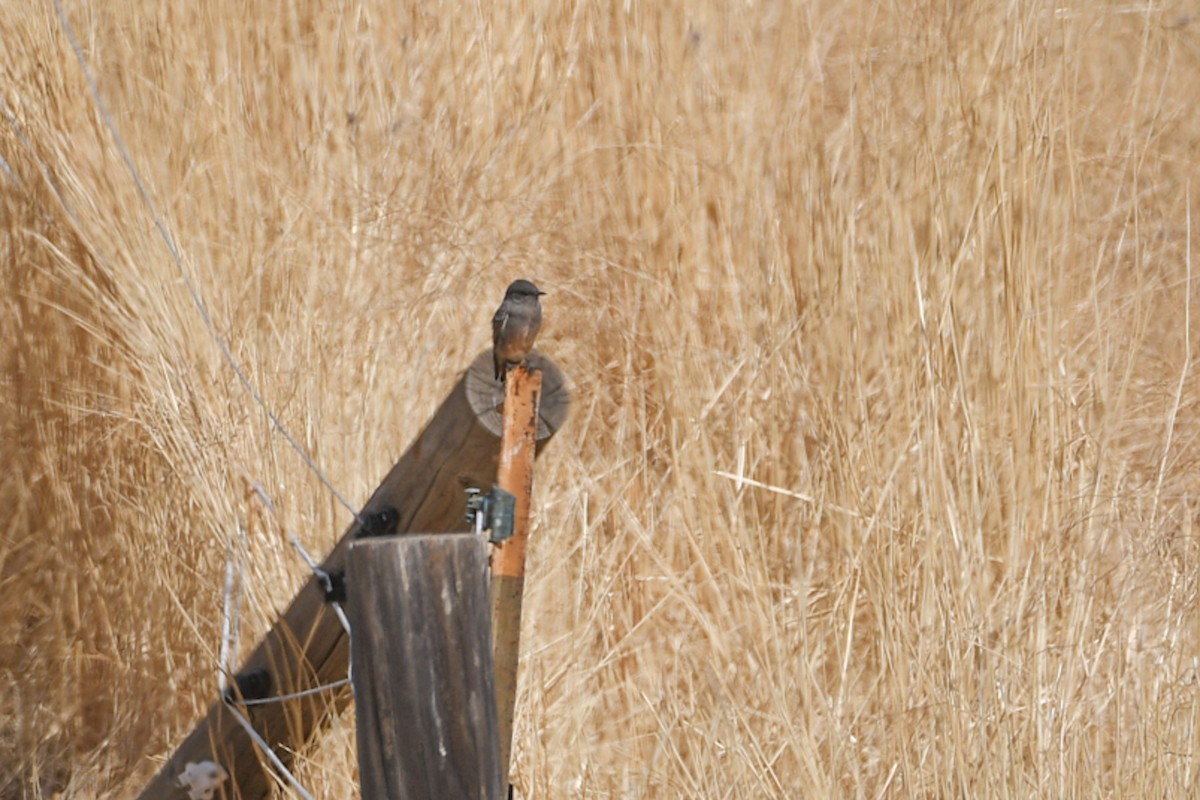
x: 540, y: 294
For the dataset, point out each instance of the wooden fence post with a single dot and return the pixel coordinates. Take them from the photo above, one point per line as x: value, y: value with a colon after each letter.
x: 514, y: 474
x: 421, y: 655
x: 307, y: 648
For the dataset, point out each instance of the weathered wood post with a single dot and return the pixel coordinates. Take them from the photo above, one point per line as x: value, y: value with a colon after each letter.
x: 514, y: 474
x: 424, y: 688
x: 307, y: 647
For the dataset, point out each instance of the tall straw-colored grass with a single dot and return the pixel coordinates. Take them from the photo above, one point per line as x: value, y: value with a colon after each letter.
x: 921, y: 271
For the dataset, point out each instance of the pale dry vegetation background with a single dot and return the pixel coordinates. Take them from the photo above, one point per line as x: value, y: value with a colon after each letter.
x: 924, y: 268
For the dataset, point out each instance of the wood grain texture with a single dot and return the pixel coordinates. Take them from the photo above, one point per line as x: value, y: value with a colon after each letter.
x: 486, y: 395
x: 508, y: 593
x: 514, y: 474
x: 423, y: 679
x: 307, y: 646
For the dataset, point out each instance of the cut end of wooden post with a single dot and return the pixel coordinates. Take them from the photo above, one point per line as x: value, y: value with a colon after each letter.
x: 486, y: 394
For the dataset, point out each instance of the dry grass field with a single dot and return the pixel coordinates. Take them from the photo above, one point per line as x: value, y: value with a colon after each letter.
x: 921, y: 271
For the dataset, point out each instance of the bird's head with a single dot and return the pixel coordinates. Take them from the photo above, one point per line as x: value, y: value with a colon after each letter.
x: 522, y: 289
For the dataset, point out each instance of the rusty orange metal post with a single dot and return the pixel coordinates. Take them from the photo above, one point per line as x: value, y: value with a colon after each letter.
x: 514, y: 474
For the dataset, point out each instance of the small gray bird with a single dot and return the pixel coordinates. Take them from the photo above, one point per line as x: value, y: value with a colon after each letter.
x: 515, y: 326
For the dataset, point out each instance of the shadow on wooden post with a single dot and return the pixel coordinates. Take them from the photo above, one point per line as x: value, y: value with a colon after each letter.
x: 307, y: 647
x: 424, y: 689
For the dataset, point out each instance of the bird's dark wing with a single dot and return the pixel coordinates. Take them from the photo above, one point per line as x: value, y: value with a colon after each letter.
x: 499, y: 321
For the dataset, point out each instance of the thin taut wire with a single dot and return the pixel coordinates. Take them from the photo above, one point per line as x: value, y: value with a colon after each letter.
x: 196, y: 298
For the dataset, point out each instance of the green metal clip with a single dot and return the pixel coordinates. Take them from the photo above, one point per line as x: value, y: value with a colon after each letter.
x: 493, y: 512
